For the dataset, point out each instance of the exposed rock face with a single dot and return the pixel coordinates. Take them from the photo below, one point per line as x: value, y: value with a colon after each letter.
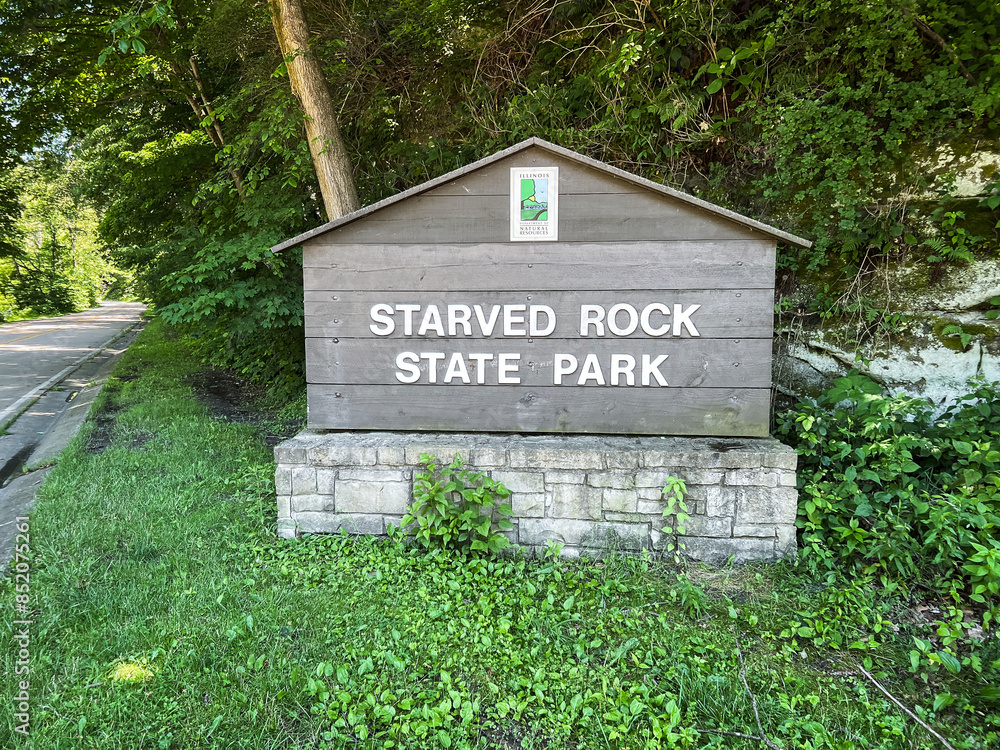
x: 922, y: 330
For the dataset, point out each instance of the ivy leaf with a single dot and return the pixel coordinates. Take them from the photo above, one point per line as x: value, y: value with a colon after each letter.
x: 715, y: 85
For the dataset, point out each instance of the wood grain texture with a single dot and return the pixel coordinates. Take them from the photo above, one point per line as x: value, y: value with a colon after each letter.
x: 724, y: 314
x: 574, y: 178
x: 690, y: 363
x: 561, y: 266
x: 638, y: 411
x: 583, y: 217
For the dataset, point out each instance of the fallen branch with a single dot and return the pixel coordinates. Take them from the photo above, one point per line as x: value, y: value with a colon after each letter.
x: 905, y: 710
x: 753, y: 699
x: 733, y: 734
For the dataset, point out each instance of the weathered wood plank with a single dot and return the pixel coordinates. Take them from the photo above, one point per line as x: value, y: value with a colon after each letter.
x: 582, y: 217
x: 639, y: 411
x: 690, y: 363
x: 540, y: 266
x: 574, y: 178
x: 726, y: 314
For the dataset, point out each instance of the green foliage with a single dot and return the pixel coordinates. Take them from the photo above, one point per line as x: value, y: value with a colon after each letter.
x: 674, y: 490
x: 158, y: 559
x: 456, y: 509
x: 888, y: 489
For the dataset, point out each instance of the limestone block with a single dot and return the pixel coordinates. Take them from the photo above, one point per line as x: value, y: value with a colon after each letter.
x: 787, y: 479
x: 763, y: 505
x: 786, y: 546
x: 284, y: 506
x: 620, y: 501
x: 573, y: 533
x: 375, y: 475
x: 556, y: 459
x: 317, y: 523
x: 391, y: 456
x: 575, y: 501
x: 741, y: 459
x: 303, y: 480
x: 648, y: 478
x: 630, y: 518
x: 444, y: 453
x: 313, y: 502
x: 287, y: 528
x: 372, y: 496
x: 701, y: 476
x: 719, y: 501
x: 614, y: 480
x: 291, y: 452
x: 342, y: 455
x: 763, y: 531
x: 708, y: 526
x: 283, y: 480
x: 718, y: 551
x: 787, y: 459
x: 750, y: 477
x: 520, y: 481
x: 652, y: 507
x: 325, y: 481
x: 650, y: 493
x: 528, y: 504
x: 360, y: 523
x: 564, y: 477
x: 622, y: 459
x: 489, y: 457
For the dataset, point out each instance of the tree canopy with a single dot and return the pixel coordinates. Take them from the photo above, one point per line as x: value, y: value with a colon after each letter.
x: 820, y: 117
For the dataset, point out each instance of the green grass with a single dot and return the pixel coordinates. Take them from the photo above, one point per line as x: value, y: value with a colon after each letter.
x: 167, y: 614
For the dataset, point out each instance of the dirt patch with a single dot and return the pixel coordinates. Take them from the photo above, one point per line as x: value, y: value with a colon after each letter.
x: 232, y: 399
x: 226, y: 396
x: 139, y: 440
x: 104, y: 428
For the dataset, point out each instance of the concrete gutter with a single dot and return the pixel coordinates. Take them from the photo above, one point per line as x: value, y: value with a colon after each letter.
x: 91, y: 373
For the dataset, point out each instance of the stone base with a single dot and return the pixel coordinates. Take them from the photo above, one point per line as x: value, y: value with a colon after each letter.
x: 591, y: 494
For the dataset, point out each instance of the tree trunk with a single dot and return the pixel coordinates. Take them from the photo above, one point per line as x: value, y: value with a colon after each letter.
x: 333, y: 165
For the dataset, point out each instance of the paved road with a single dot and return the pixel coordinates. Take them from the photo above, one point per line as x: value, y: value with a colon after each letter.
x: 34, y: 351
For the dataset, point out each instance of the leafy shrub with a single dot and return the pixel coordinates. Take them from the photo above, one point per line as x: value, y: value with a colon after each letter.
x: 888, y: 489
x: 454, y: 509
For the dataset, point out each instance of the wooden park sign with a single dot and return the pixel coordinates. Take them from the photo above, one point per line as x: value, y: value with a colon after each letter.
x: 538, y: 290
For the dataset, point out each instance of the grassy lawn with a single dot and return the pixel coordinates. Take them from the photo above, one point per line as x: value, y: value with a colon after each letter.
x: 167, y: 614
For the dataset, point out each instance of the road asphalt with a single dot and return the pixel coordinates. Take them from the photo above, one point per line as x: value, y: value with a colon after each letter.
x: 47, y: 415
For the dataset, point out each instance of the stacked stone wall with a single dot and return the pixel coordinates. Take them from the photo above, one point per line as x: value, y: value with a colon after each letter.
x: 588, y: 493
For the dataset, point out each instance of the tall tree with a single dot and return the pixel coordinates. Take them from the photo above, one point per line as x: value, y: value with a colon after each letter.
x: 333, y: 165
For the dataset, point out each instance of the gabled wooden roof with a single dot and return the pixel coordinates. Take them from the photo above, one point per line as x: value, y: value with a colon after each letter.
x: 654, y: 187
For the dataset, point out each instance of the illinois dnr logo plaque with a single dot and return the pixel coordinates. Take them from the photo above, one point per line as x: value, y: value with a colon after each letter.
x: 534, y: 204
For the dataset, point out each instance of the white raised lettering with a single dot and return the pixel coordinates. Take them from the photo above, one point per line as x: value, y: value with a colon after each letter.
x: 457, y: 369
x: 591, y: 315
x: 591, y: 371
x: 564, y: 364
x: 633, y: 319
x: 458, y: 315
x: 380, y: 314
x: 550, y: 318
x: 432, y: 359
x: 408, y: 361
x: 683, y: 318
x: 487, y: 326
x: 407, y: 311
x: 481, y: 360
x: 647, y: 327
x: 622, y: 365
x: 431, y: 321
x: 507, y: 364
x: 652, y: 368
x: 510, y: 320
